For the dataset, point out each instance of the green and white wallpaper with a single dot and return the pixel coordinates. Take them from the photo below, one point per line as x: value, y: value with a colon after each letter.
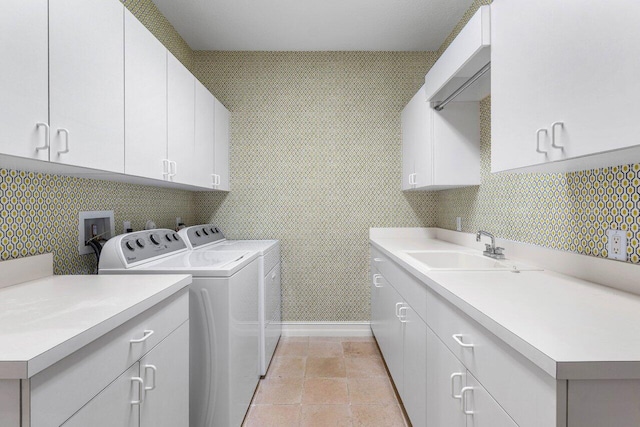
x: 315, y: 162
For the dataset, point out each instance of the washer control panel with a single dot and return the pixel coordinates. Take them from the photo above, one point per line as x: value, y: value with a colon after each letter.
x: 143, y: 245
x: 200, y: 235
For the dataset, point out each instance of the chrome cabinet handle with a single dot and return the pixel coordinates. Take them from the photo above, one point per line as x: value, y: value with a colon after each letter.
x: 155, y: 372
x: 553, y: 134
x: 213, y: 179
x: 217, y: 179
x: 47, y: 141
x: 403, y: 317
x: 397, y: 305
x: 458, y: 338
x: 375, y: 280
x: 66, y: 140
x: 463, y: 393
x: 453, y: 379
x: 141, y: 389
x: 147, y: 334
x: 175, y: 170
x: 165, y: 168
x: 538, y: 132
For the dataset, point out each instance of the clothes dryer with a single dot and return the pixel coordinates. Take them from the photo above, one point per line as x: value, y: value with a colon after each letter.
x: 208, y: 237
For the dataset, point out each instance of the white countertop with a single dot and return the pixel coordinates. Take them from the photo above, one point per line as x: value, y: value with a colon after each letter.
x: 44, y: 320
x: 571, y: 328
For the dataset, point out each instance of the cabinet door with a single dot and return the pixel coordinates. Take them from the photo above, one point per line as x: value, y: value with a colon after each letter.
x: 112, y: 407
x: 145, y: 101
x: 86, y: 66
x: 378, y: 309
x: 414, y: 393
x: 395, y: 338
x: 181, y: 122
x: 572, y: 62
x: 486, y: 411
x: 165, y: 371
x: 442, y: 408
x: 204, y: 136
x: 222, y: 142
x: 416, y: 142
x: 24, y: 78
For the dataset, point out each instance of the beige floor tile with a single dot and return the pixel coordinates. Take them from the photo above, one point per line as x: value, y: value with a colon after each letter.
x: 323, y: 391
x: 377, y: 416
x: 292, y: 348
x: 273, y: 416
x: 294, y: 339
x: 365, y: 367
x: 371, y: 391
x: 326, y: 416
x: 279, y: 391
x: 325, y: 339
x: 287, y: 367
x: 325, y: 349
x: 325, y: 367
x: 360, y: 349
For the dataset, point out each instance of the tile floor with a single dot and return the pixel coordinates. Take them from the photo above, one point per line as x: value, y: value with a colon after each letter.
x: 325, y: 382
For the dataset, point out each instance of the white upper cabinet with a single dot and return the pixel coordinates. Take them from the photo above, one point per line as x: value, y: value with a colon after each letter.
x: 440, y: 149
x: 467, y: 57
x: 205, y: 136
x: 24, y: 79
x: 145, y: 102
x: 86, y: 74
x: 181, y: 123
x: 564, y: 85
x: 222, y: 140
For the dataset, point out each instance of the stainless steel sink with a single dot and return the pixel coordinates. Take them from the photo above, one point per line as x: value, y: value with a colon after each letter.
x: 455, y: 260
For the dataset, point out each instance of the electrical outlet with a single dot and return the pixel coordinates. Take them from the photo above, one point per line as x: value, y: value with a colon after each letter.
x: 617, y: 244
x: 458, y: 223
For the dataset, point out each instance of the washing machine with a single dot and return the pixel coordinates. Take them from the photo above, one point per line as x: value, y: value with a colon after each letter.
x: 224, y: 334
x: 208, y: 237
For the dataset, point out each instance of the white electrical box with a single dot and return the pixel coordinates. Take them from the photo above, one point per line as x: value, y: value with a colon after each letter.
x: 91, y: 224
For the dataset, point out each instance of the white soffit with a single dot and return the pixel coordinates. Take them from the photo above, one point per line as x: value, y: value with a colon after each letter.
x: 314, y: 25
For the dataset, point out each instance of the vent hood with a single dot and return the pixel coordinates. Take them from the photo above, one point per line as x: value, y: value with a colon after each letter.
x: 463, y: 71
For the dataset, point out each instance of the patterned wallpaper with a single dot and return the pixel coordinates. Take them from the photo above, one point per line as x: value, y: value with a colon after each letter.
x: 39, y: 212
x: 316, y: 161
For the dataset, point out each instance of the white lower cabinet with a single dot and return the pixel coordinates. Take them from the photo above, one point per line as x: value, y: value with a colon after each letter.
x: 401, y: 335
x: 446, y: 377
x: 135, y: 375
x: 114, y: 406
x: 480, y: 408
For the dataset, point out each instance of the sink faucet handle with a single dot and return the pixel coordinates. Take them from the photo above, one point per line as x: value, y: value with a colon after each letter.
x: 488, y: 247
x: 499, y: 250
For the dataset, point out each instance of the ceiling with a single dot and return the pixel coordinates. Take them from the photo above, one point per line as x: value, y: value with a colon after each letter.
x: 314, y: 25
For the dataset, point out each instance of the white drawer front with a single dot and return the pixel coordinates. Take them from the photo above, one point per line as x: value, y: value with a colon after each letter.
x: 59, y: 391
x: 526, y: 392
x: 410, y: 288
x: 485, y: 410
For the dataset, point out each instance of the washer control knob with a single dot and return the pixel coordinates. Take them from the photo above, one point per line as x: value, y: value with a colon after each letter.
x: 154, y: 239
x: 217, y: 230
x: 197, y: 233
x: 204, y: 230
x: 168, y: 237
x: 175, y: 237
x: 213, y: 230
x: 129, y: 246
x: 140, y: 243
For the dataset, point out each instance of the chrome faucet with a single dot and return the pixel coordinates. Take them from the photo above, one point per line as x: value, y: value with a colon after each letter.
x: 490, y: 249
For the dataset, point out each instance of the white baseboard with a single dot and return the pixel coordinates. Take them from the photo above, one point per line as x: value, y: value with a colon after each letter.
x: 326, y: 329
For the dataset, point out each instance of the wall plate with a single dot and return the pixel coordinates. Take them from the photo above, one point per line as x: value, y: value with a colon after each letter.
x: 617, y: 244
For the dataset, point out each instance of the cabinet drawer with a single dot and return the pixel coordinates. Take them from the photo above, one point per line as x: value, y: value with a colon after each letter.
x: 410, y: 288
x: 59, y: 391
x: 526, y: 392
